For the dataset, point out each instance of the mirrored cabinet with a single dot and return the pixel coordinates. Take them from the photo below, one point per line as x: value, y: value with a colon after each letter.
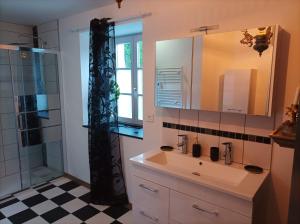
x: 227, y: 72
x: 174, y: 73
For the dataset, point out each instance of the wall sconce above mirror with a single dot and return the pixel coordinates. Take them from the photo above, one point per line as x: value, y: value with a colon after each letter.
x: 215, y: 72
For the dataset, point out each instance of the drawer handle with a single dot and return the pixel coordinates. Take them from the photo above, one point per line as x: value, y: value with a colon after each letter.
x: 204, y: 210
x: 149, y: 216
x: 232, y: 109
x: 148, y: 188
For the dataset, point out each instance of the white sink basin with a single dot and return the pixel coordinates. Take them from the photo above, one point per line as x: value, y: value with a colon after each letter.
x: 205, y: 169
x: 232, y: 179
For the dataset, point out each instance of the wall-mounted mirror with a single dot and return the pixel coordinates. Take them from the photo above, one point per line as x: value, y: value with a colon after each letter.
x: 231, y: 71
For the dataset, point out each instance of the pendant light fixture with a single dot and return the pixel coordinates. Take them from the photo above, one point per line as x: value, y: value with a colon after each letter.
x: 119, y: 3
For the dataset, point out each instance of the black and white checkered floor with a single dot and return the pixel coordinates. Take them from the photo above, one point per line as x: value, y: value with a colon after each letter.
x: 60, y: 201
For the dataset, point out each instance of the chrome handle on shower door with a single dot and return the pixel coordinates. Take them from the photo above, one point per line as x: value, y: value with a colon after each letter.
x: 20, y: 122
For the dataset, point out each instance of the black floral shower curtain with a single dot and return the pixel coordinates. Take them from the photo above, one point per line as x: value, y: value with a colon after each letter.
x: 106, y: 176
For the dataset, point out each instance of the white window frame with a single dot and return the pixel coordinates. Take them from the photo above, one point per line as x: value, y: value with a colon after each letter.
x: 132, y: 39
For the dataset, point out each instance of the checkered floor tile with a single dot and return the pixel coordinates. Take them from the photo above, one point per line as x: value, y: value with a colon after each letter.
x: 60, y: 201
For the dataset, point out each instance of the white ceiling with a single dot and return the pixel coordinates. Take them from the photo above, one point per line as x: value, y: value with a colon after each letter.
x: 34, y: 12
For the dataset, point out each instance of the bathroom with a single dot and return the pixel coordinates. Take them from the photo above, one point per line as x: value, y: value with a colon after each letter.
x: 62, y: 30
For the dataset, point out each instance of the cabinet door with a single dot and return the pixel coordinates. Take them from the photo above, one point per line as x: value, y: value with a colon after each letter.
x: 188, y: 210
x: 217, y: 54
x: 174, y: 73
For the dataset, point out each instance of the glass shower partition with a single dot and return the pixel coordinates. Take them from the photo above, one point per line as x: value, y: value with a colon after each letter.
x: 31, y: 132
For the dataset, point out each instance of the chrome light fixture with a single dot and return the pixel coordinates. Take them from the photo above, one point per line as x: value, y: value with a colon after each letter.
x: 262, y: 39
x: 119, y: 3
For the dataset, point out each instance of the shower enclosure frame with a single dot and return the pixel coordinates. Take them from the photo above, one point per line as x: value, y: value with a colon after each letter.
x: 60, y: 91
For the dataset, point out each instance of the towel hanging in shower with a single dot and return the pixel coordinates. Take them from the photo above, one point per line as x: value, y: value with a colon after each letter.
x: 106, y: 175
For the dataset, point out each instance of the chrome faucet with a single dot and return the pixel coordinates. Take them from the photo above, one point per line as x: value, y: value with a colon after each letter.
x: 182, y: 143
x: 228, y: 152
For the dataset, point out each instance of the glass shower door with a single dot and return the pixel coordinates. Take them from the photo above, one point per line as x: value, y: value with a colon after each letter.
x: 38, y: 115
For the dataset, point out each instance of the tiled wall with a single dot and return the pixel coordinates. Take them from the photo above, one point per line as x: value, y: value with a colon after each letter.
x: 9, y: 157
x: 10, y: 180
x: 48, y: 32
x: 248, y: 134
x: 13, y: 33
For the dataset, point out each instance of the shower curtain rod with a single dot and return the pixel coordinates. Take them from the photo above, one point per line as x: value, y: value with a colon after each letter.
x: 144, y: 15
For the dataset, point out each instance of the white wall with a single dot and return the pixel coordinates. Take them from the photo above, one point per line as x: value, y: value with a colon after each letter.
x: 172, y: 19
x: 13, y: 33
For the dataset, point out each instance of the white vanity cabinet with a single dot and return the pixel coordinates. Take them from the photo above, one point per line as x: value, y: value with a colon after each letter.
x: 165, y: 191
x: 161, y: 199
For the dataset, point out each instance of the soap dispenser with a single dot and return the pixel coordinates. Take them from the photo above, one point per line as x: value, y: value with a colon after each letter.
x: 196, y: 148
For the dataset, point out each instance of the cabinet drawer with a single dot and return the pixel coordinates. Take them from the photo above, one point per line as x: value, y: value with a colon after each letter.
x: 150, y: 195
x: 151, y: 199
x: 143, y: 215
x: 188, y: 210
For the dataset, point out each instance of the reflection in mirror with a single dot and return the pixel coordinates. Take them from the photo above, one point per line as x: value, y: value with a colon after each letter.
x: 231, y: 77
x: 173, y: 73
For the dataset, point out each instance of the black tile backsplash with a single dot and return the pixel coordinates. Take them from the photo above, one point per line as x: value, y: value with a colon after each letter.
x: 238, y: 135
x: 267, y: 140
x: 227, y: 134
x: 259, y: 139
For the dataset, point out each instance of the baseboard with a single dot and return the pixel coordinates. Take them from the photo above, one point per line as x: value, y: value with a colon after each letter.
x: 85, y: 184
x: 75, y: 179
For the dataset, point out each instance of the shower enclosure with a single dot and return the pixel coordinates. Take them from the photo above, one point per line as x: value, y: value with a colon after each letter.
x: 30, y: 118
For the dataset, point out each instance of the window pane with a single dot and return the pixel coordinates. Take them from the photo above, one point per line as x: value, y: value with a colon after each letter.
x: 140, y: 108
x: 124, y: 80
x: 123, y: 54
x: 139, y: 53
x: 125, y: 106
x: 140, y: 81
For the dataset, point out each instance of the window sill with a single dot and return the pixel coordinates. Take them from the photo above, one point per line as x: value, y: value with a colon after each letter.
x: 131, y: 131
x: 128, y: 131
